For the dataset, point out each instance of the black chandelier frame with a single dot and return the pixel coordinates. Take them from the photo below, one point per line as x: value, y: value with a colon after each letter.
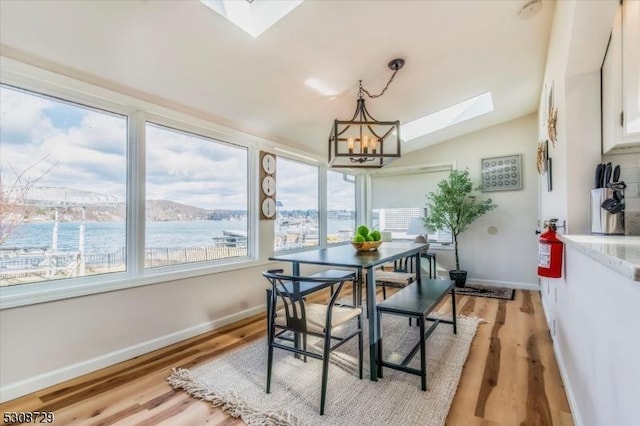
x: 363, y: 141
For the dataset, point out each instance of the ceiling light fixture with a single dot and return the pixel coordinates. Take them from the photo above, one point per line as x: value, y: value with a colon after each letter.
x: 363, y: 141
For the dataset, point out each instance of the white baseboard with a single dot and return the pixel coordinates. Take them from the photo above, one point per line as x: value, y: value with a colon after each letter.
x: 573, y: 405
x: 50, y: 378
x: 508, y: 284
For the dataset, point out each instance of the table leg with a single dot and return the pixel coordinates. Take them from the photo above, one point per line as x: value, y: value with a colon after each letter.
x: 295, y: 271
x: 373, y: 325
x: 435, y: 265
x: 357, y: 301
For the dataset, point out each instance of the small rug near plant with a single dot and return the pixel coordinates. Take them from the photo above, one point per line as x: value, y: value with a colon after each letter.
x: 235, y: 382
x: 486, y: 291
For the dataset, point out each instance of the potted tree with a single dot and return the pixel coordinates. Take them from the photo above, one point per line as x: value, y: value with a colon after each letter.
x: 453, y: 207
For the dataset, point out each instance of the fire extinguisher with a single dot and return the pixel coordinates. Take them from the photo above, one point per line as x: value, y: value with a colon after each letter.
x: 550, y: 250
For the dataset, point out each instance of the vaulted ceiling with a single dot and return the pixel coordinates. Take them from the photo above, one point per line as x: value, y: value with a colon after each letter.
x: 185, y: 54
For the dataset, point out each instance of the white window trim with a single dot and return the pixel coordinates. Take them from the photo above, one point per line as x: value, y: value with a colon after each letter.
x: 322, y: 226
x: 38, y: 80
x: 404, y: 170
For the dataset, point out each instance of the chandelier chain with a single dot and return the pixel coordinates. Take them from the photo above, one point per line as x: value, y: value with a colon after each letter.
x: 363, y: 90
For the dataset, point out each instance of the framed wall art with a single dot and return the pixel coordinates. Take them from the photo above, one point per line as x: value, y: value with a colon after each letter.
x: 502, y: 173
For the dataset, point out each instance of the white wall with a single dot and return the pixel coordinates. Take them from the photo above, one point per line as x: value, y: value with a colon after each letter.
x: 585, y: 317
x: 596, y: 342
x: 509, y: 256
x: 578, y: 40
x: 50, y: 342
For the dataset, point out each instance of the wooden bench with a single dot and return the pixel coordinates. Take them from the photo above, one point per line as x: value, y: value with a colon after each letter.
x: 417, y: 301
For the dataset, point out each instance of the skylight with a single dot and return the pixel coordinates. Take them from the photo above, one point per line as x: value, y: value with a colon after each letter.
x: 447, y: 117
x: 254, y: 16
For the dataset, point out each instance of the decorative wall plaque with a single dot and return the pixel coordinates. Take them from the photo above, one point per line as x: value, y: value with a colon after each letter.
x: 502, y: 173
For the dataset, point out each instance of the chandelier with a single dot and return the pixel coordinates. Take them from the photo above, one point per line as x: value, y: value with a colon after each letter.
x: 363, y: 141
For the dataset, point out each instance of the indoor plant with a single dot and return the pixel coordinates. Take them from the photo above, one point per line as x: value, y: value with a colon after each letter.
x: 453, y: 207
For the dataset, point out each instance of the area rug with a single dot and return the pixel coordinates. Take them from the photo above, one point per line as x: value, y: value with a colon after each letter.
x: 235, y: 381
x: 486, y: 291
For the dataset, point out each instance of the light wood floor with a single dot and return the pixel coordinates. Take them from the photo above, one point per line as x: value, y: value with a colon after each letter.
x: 510, y: 378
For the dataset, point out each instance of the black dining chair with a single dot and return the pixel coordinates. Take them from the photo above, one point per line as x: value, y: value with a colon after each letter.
x: 401, y: 275
x: 290, y: 316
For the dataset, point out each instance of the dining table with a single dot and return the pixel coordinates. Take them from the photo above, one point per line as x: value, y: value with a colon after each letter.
x: 364, y: 263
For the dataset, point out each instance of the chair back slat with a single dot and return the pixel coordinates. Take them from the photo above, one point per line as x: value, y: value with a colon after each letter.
x: 293, y: 304
x: 286, y: 289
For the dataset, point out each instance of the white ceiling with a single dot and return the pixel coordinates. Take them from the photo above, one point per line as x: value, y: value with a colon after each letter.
x: 186, y: 54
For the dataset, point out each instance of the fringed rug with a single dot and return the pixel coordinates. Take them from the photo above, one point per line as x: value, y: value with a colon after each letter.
x: 486, y: 291
x: 235, y: 381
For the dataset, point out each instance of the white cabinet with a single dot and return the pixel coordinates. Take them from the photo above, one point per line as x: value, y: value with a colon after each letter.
x: 621, y: 81
x: 631, y: 67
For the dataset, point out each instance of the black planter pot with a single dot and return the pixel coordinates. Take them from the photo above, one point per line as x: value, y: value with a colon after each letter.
x: 459, y: 276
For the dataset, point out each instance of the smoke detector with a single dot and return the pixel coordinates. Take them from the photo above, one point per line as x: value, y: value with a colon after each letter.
x: 530, y: 8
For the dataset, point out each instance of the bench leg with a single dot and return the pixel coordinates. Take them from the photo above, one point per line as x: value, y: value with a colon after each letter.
x: 379, y: 345
x: 423, y: 353
x: 453, y: 311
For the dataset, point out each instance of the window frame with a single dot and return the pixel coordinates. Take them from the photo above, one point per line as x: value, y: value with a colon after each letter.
x: 356, y: 194
x: 321, y: 186
x: 137, y: 111
x: 197, y: 131
x: 406, y: 171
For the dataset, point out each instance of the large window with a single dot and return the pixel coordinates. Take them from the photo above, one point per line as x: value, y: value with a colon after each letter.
x: 297, y: 205
x: 341, y: 207
x: 196, y: 191
x: 62, y: 189
x: 91, y: 202
x: 398, y: 202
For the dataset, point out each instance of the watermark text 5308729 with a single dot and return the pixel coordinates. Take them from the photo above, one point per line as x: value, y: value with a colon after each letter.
x: 15, y: 417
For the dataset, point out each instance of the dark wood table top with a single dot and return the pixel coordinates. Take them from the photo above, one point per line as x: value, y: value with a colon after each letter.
x: 347, y: 256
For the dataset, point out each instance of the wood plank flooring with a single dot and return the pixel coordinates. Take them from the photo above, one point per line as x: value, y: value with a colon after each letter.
x: 510, y: 378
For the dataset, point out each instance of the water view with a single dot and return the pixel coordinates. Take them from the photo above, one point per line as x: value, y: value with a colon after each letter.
x: 53, y: 250
x: 100, y: 237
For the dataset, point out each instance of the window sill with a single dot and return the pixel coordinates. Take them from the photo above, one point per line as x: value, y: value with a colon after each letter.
x: 34, y: 293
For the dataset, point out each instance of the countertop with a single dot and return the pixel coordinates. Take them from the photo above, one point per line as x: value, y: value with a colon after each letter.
x: 618, y: 252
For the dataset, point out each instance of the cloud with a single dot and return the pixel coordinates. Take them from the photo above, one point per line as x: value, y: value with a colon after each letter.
x: 195, y: 170
x: 297, y: 185
x: 85, y: 149
x: 341, y: 194
x: 22, y: 116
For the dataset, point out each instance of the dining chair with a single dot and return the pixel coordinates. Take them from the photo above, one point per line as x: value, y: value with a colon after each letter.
x: 290, y: 316
x: 401, y: 275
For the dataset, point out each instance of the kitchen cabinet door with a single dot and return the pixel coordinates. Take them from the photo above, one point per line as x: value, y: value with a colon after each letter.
x: 612, y: 88
x: 631, y: 68
x: 621, y: 81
